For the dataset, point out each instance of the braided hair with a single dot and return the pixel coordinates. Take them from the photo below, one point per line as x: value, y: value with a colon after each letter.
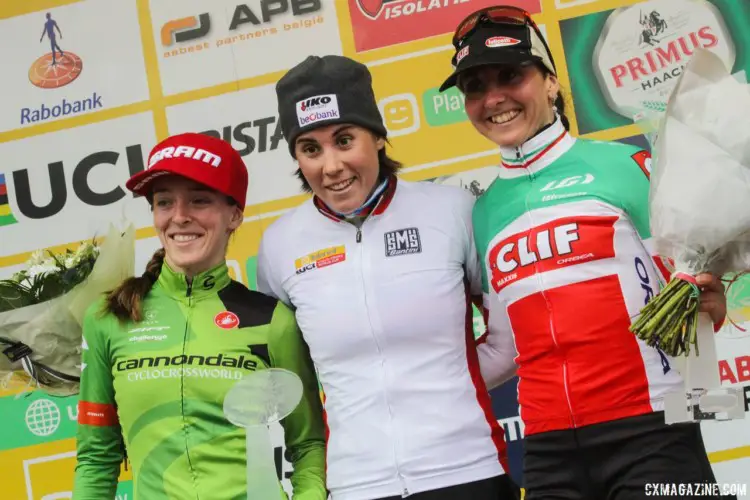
x: 126, y: 301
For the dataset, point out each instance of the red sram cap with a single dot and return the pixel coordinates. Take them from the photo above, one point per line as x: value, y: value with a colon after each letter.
x: 204, y: 159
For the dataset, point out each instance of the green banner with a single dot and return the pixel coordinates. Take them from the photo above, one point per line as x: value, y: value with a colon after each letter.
x: 444, y: 108
x: 35, y: 417
x: 634, y: 55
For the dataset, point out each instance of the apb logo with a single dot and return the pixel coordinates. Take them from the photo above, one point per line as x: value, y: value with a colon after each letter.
x: 402, y: 242
x: 185, y: 29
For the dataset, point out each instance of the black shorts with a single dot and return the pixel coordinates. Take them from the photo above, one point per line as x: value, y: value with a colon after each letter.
x: 495, y: 488
x: 620, y: 460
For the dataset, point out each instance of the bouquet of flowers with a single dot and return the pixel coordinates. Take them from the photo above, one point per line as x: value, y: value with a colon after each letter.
x: 42, y: 309
x: 700, y: 196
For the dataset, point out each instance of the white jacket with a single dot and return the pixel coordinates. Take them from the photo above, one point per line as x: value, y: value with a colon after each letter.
x: 389, y: 326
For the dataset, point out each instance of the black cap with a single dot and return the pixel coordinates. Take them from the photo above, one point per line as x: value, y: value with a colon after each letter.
x: 321, y: 91
x: 494, y: 43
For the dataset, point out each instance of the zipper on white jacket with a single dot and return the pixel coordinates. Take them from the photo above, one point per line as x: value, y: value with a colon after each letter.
x: 404, y: 489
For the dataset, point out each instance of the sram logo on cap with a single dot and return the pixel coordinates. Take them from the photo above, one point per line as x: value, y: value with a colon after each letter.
x: 317, y: 108
x: 501, y: 41
x: 185, y: 152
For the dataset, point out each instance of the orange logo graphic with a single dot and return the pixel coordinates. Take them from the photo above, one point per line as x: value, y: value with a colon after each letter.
x: 48, y: 75
x: 185, y: 29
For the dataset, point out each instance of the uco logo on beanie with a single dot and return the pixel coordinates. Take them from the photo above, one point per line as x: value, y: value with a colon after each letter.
x: 317, y: 108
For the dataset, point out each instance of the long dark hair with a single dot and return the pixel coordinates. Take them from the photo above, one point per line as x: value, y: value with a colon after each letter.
x: 559, y: 100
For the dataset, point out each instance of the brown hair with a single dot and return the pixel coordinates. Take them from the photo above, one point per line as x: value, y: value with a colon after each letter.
x: 126, y: 301
x: 388, y: 167
x: 559, y: 100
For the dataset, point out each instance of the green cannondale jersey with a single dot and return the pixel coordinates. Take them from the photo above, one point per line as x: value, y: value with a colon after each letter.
x: 158, y: 386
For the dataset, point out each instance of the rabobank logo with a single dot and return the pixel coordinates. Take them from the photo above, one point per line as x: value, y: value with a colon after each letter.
x: 56, y: 68
x: 317, y: 108
x: 53, y: 70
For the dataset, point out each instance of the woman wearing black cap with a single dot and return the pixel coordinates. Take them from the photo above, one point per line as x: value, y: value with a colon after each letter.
x: 379, y: 272
x: 563, y: 235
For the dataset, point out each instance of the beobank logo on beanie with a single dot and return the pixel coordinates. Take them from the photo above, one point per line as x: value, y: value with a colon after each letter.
x: 317, y: 108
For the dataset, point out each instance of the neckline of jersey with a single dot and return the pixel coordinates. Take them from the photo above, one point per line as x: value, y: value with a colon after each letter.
x: 208, y: 282
x: 378, y: 207
x: 551, y: 142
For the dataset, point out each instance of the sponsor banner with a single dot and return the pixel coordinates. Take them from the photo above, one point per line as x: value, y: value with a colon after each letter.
x: 69, y: 61
x: 248, y: 120
x: 629, y: 59
x: 71, y: 186
x: 201, y: 44
x: 424, y: 126
x: 37, y: 449
x: 35, y: 418
x: 382, y: 23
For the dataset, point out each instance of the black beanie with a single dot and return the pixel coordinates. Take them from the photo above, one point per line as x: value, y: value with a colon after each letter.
x: 324, y: 90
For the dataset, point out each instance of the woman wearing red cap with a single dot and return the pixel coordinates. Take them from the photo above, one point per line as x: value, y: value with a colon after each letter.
x: 379, y: 272
x: 567, y: 262
x: 161, y: 351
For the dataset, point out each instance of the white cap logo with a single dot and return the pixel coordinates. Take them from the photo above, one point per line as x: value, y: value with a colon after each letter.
x: 461, y: 54
x: 185, y: 152
x: 317, y: 108
x: 501, y: 41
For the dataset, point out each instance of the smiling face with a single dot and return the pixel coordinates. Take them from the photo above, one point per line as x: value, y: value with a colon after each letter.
x: 340, y: 163
x: 193, y: 223
x: 399, y: 113
x: 508, y: 104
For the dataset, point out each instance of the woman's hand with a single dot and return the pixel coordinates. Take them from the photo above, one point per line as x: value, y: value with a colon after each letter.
x: 713, y: 300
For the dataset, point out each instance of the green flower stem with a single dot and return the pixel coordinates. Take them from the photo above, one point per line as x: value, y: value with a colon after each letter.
x: 669, y: 320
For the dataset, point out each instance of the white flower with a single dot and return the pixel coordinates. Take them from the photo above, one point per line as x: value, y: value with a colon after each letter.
x: 37, y: 258
x: 43, y: 268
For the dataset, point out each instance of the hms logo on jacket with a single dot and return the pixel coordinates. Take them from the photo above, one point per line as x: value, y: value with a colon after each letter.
x: 402, y: 242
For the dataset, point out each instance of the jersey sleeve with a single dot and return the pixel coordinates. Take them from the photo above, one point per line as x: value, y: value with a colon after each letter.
x: 99, y: 444
x: 267, y: 280
x: 496, y: 348
x: 472, y: 267
x: 304, y: 432
x: 635, y: 202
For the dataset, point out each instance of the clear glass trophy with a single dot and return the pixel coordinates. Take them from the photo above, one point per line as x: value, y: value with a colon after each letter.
x: 703, y: 398
x: 258, y: 400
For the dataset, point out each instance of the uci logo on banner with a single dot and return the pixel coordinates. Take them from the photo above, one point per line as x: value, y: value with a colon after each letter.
x: 320, y: 258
